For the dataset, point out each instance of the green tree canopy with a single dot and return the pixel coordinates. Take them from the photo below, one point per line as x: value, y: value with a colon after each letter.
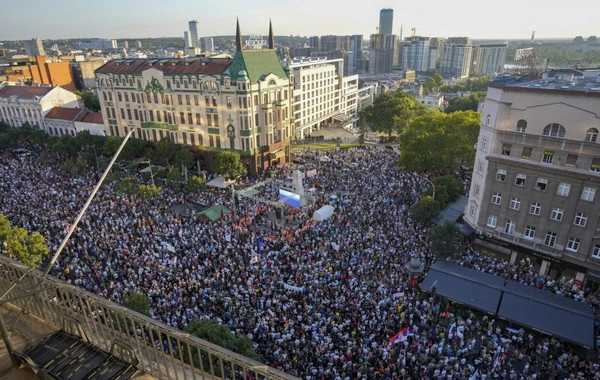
x: 444, y: 240
x: 463, y: 103
x: 137, y: 302
x: 447, y: 189
x: 391, y: 112
x: 165, y: 152
x: 439, y: 141
x: 425, y: 211
x: 127, y: 186
x: 194, y: 184
x: 173, y: 176
x: 229, y: 165
x: 222, y: 336
x: 18, y: 243
x: 148, y: 191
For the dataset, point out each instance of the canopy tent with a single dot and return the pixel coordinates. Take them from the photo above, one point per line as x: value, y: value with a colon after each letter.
x: 323, y: 213
x: 214, y: 213
x: 152, y: 169
x: 453, y: 211
x: 219, y: 182
x: 515, y: 302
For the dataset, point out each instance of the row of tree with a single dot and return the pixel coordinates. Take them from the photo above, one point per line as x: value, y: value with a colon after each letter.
x: 18, y: 243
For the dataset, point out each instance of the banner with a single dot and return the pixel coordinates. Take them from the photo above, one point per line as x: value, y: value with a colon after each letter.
x: 311, y: 173
x: 370, y: 138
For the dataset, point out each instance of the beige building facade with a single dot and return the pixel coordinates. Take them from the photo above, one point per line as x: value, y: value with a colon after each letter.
x: 535, y: 190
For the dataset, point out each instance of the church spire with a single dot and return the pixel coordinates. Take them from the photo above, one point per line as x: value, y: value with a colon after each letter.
x: 238, y: 37
x: 271, y: 36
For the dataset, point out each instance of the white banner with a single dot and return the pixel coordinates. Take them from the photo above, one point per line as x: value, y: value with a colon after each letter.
x: 370, y: 138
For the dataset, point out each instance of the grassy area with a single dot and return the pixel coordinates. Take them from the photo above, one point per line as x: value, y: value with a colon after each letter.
x: 325, y: 147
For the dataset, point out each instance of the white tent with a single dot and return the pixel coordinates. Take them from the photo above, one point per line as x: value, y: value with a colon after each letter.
x: 219, y: 182
x: 323, y: 213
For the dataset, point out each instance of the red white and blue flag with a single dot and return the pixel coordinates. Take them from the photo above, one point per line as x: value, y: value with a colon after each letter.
x: 400, y: 337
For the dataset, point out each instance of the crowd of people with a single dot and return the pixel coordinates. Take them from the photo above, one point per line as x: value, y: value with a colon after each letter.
x: 319, y: 300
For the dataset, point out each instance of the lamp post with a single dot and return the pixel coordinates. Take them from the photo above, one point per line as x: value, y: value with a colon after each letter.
x: 95, y: 155
x: 431, y: 183
x: 151, y: 173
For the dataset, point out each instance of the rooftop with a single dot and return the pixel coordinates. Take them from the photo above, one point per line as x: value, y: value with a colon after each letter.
x: 93, y: 117
x: 256, y: 64
x: 578, y: 84
x: 63, y: 113
x: 170, y: 66
x: 25, y: 92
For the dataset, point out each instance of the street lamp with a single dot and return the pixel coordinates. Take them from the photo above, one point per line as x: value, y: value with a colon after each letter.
x: 95, y: 156
x: 151, y: 173
x: 432, y: 185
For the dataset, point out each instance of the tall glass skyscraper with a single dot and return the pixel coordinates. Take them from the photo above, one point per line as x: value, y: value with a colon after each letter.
x: 386, y: 21
x: 194, y: 35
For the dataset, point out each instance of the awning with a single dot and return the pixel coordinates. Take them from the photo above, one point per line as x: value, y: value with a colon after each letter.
x: 277, y: 154
x: 453, y: 211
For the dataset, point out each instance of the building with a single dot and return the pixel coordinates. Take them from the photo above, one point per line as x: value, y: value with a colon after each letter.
x: 194, y: 34
x: 187, y: 42
x: 386, y: 21
x: 535, y: 188
x: 489, y: 59
x: 356, y: 53
x: 455, y: 58
x: 101, y: 44
x: 62, y: 120
x: 138, y: 44
x: 383, y: 53
x: 211, y: 104
x: 415, y: 53
x: 83, y: 72
x: 314, y: 42
x: 125, y: 44
x: 435, y: 51
x: 323, y: 96
x: 25, y: 104
x: 209, y: 44
x: 34, y: 47
x: 40, y: 70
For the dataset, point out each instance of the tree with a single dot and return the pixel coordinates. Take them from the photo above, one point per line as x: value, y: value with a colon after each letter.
x: 425, y: 211
x: 127, y: 186
x: 137, y: 302
x: 135, y: 148
x: 184, y: 158
x: 464, y: 103
x: 64, y: 148
x: 222, y: 336
x: 447, y: 189
x: 195, y: 185
x: 165, y: 152
x: 390, y: 112
x: 173, y: 176
x: 438, y: 141
x: 90, y: 101
x: 444, y: 239
x: 18, y: 243
x: 229, y: 165
x: 148, y: 191
x: 111, y: 145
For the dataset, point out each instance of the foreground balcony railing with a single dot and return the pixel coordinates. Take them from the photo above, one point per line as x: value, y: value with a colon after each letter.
x: 162, y: 351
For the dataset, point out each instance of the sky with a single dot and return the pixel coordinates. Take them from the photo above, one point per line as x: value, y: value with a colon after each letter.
x: 509, y: 19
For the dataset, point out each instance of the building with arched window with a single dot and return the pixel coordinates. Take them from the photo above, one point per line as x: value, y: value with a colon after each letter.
x: 535, y: 191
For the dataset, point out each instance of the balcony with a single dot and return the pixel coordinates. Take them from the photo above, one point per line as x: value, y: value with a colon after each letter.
x: 555, y: 251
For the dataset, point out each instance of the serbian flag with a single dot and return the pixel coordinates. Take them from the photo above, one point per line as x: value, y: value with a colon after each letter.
x: 400, y: 337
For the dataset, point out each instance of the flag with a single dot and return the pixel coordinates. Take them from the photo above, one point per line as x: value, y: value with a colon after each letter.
x: 512, y: 330
x: 259, y: 243
x: 400, y: 337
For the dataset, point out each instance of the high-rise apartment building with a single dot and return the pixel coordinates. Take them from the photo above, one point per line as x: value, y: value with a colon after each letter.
x: 455, y: 59
x: 383, y: 53
x: 314, y: 42
x: 535, y: 190
x: 194, y: 34
x: 489, y: 59
x: 209, y: 44
x: 355, y: 53
x: 187, y: 42
x: 34, y: 47
x: 415, y: 53
x: 435, y: 50
x: 241, y: 103
x: 386, y: 21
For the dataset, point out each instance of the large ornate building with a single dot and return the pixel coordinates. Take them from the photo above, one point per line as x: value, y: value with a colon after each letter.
x: 536, y: 181
x: 241, y: 103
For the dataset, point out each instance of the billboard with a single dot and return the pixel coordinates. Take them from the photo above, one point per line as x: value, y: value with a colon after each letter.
x: 370, y: 138
x: 289, y: 198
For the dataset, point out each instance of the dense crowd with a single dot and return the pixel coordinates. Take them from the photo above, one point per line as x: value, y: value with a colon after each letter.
x: 320, y: 300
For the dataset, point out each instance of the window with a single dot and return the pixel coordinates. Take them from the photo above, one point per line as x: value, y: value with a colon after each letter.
x: 188, y: 101
x: 529, y: 232
x: 181, y: 118
x: 496, y: 198
x: 595, y: 165
x: 588, y: 194
x: 591, y: 135
x: 580, y: 219
x: 541, y: 184
x: 563, y: 189
x: 228, y: 100
x: 515, y: 203
x: 521, y: 126
x: 535, y: 208
x: 198, y: 119
x: 484, y: 143
x: 557, y: 214
x: 550, y: 239
x: 180, y: 99
x: 209, y: 120
x: 573, y: 244
x: 196, y: 100
x: 214, y: 101
x: 571, y: 160
x: 548, y: 157
x: 510, y: 227
x: 472, y: 211
x: 479, y: 166
x: 501, y: 175
x: 207, y: 101
x: 554, y: 130
x: 492, y: 220
x: 520, y: 180
x: 526, y: 153
x: 488, y: 120
x: 596, y: 251
x: 476, y: 189
x: 506, y: 149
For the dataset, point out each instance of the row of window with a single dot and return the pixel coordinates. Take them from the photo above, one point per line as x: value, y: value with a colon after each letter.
x: 541, y: 184
x: 551, y: 130
x: 206, y: 85
x: 549, y: 157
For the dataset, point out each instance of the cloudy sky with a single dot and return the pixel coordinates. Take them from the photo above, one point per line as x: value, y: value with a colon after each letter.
x: 506, y: 19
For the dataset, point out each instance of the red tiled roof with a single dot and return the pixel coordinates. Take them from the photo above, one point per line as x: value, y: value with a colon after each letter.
x: 63, y: 113
x: 171, y: 66
x: 93, y: 117
x: 24, y: 91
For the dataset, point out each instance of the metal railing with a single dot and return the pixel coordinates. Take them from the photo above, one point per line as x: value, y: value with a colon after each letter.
x: 162, y: 351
